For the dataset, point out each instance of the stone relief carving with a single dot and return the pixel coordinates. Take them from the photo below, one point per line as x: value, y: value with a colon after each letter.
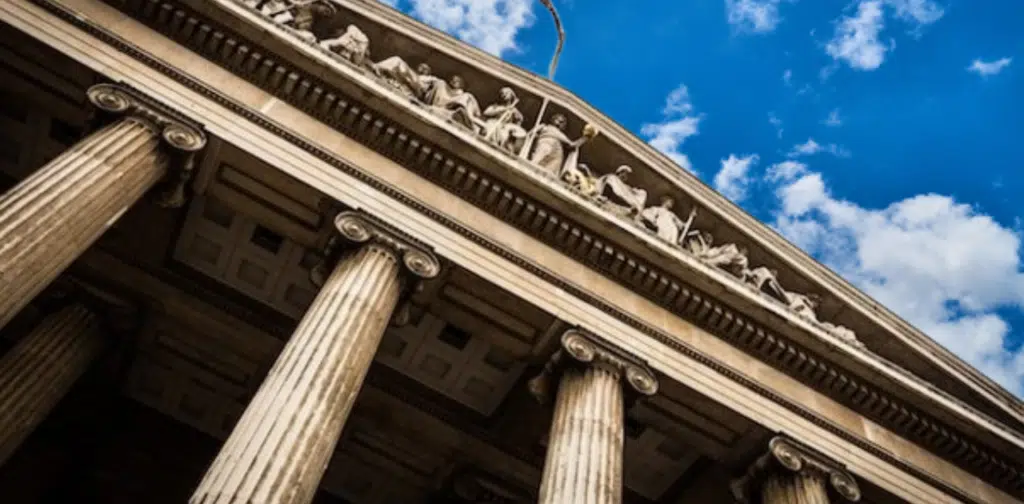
x: 351, y: 44
x: 299, y: 16
x: 546, y: 148
x: 503, y: 122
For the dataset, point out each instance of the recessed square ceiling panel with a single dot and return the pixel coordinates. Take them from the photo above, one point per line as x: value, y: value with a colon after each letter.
x: 237, y: 251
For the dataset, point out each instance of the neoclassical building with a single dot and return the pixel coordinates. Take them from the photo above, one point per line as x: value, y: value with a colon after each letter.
x: 295, y: 251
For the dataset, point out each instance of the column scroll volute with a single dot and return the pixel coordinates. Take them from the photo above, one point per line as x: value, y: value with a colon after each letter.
x: 360, y: 229
x: 182, y: 137
x: 788, y: 457
x: 580, y: 348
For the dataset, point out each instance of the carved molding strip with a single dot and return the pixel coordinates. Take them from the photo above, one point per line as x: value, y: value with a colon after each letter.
x: 183, y: 137
x: 788, y: 455
x: 993, y: 469
x: 582, y: 348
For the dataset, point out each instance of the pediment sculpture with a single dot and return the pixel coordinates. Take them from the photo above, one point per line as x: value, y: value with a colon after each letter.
x: 546, y: 147
x: 299, y: 16
x: 614, y: 193
x: 551, y: 150
x: 728, y: 257
x: 450, y: 100
x: 502, y: 124
x: 351, y: 44
x: 663, y: 221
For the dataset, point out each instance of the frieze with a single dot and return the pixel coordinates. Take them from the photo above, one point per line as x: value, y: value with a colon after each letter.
x: 240, y: 57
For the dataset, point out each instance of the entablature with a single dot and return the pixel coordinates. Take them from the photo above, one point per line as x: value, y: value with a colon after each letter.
x: 535, y: 204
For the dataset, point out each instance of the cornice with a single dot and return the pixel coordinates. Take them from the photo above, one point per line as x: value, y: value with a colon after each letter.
x: 705, y: 196
x: 400, y: 145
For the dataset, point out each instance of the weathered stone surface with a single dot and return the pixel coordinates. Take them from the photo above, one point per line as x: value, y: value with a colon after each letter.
x: 797, y: 488
x: 41, y: 368
x: 793, y: 473
x: 280, y: 448
x: 584, y: 459
x: 51, y: 217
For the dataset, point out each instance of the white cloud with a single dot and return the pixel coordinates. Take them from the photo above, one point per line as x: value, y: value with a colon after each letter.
x: 491, y: 25
x: 776, y: 123
x: 787, y: 77
x: 988, y: 68
x: 856, y: 38
x: 919, y: 12
x: 734, y: 177
x: 753, y: 16
x: 679, y: 124
x: 833, y: 120
x: 810, y: 148
x: 785, y: 171
x: 938, y: 263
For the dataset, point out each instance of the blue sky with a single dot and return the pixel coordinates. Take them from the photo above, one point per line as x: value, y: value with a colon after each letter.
x: 879, y: 135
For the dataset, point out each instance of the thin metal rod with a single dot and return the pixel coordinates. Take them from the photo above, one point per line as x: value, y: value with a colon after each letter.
x: 554, y: 58
x: 561, y: 38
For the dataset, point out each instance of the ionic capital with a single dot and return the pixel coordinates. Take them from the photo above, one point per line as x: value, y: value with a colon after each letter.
x: 360, y: 228
x: 183, y: 137
x: 580, y: 348
x: 786, y: 455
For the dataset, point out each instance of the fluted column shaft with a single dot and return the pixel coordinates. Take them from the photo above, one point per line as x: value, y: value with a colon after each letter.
x: 51, y: 217
x: 37, y: 372
x: 794, y: 488
x: 279, y: 450
x: 584, y: 457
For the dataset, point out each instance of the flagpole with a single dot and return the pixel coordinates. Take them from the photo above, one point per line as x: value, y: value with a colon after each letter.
x: 554, y: 58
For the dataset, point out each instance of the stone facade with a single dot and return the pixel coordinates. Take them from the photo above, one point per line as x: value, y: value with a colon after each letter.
x: 356, y: 270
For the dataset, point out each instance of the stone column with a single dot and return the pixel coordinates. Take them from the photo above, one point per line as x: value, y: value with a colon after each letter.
x: 791, y: 473
x: 52, y: 216
x: 584, y: 457
x: 279, y: 450
x: 37, y: 372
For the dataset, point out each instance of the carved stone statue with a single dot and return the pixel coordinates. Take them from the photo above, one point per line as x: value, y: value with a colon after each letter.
x: 451, y: 101
x: 549, y: 145
x: 726, y: 257
x: 277, y: 10
x: 352, y: 45
x: 806, y: 305
x: 502, y: 122
x: 803, y: 304
x: 616, y: 194
x: 842, y: 333
x: 398, y: 74
x: 663, y: 221
x: 299, y: 15
x: 579, y: 178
